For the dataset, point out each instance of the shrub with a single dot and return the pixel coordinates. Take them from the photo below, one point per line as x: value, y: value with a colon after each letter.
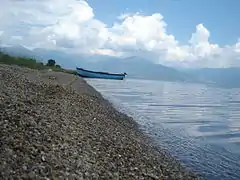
x: 51, y: 62
x: 32, y: 63
x: 58, y: 66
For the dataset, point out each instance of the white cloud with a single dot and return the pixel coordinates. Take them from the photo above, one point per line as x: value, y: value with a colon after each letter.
x: 107, y: 52
x: 237, y: 46
x: 52, y: 23
x: 201, y: 35
x: 142, y: 32
x: 71, y: 24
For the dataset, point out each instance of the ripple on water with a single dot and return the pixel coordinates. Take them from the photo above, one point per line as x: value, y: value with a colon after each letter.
x: 199, y: 125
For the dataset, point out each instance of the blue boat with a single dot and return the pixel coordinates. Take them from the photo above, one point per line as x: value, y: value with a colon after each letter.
x: 102, y: 75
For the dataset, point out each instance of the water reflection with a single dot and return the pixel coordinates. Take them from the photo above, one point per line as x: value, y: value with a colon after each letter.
x: 198, y: 124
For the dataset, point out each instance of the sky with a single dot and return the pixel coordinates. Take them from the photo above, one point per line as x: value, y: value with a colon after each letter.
x: 184, y: 33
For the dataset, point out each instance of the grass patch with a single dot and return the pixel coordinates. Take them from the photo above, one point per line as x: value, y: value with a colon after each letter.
x: 32, y: 63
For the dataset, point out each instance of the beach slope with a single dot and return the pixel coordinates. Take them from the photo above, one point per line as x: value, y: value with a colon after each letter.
x: 54, y: 125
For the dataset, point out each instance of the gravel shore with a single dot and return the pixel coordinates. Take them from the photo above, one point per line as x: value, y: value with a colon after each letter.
x: 55, y: 126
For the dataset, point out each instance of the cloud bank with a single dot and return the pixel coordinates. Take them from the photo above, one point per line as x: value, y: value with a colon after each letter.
x: 71, y: 25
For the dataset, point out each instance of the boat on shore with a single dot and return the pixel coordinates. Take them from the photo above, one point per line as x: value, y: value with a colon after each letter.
x: 101, y: 75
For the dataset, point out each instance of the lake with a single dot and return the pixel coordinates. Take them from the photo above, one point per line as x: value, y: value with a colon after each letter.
x: 197, y: 124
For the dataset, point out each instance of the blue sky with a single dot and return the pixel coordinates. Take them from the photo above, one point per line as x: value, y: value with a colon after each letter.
x: 221, y: 17
x: 188, y: 33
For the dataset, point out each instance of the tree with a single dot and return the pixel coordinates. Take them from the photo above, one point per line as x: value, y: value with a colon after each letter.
x: 51, y: 62
x: 58, y: 66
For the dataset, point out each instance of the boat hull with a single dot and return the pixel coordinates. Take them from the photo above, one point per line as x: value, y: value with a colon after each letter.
x: 101, y: 75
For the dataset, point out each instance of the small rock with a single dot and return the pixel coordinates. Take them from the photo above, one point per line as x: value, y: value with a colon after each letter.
x: 24, y: 167
x: 43, y: 158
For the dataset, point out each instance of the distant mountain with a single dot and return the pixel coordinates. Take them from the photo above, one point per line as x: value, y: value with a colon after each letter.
x: 135, y: 67
x: 19, y: 51
x: 223, y: 77
x: 64, y: 59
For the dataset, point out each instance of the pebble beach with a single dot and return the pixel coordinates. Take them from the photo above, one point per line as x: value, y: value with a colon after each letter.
x: 53, y: 125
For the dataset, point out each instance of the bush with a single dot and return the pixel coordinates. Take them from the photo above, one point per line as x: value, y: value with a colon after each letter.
x: 32, y: 63
x: 51, y: 62
x: 58, y: 66
x: 27, y: 62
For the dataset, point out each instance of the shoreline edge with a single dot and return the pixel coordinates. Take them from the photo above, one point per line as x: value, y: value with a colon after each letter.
x: 55, y: 125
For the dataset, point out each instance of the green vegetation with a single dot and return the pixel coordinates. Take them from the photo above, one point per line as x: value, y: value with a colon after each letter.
x: 51, y: 63
x: 32, y: 63
x: 27, y: 62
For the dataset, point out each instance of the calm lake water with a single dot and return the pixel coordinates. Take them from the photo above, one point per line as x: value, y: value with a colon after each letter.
x: 197, y: 124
